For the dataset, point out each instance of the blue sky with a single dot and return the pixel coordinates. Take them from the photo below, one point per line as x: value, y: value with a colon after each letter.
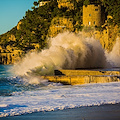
x: 11, y: 11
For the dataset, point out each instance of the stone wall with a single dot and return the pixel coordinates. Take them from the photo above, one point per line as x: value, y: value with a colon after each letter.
x: 92, y: 15
x: 77, y: 80
x: 74, y: 77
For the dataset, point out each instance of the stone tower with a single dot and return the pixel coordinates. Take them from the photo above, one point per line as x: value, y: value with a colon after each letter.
x: 92, y: 15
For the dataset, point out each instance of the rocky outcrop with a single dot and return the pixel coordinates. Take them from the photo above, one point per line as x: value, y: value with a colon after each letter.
x: 18, y: 25
x: 10, y: 55
x: 107, y: 35
x: 59, y: 25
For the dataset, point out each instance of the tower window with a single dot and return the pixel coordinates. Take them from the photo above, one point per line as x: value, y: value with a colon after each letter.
x: 89, y: 14
x: 89, y: 23
x: 96, y: 9
x: 94, y: 22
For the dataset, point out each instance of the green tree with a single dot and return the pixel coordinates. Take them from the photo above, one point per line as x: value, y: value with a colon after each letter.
x: 36, y: 23
x: 35, y: 3
x: 113, y: 9
x: 86, y: 2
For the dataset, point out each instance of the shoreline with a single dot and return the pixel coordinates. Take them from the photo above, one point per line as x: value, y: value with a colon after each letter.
x: 102, y: 112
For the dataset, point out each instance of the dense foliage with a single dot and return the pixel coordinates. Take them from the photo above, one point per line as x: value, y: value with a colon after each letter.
x: 35, y: 25
x: 113, y: 9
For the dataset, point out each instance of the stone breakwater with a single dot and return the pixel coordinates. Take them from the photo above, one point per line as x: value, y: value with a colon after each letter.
x: 74, y: 77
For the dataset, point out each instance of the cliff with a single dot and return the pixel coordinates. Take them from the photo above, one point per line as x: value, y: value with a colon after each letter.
x: 59, y: 25
x: 49, y: 19
x: 10, y: 55
x: 106, y: 35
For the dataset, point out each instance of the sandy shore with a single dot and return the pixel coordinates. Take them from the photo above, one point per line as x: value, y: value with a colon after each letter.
x: 103, y: 112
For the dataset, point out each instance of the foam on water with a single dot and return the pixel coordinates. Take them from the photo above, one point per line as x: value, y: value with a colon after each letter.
x: 58, y: 98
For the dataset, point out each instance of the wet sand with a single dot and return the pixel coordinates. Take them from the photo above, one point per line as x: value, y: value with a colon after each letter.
x: 103, y: 112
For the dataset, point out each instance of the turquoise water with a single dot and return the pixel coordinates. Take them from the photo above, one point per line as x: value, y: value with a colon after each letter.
x: 10, y: 83
x: 6, y: 86
x: 4, y: 71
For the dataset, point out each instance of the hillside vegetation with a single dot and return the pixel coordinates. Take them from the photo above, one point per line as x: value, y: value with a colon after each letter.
x: 48, y: 20
x: 34, y: 26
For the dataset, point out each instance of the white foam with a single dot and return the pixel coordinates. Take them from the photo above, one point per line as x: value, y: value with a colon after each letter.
x: 59, y: 98
x: 3, y: 105
x: 114, y: 56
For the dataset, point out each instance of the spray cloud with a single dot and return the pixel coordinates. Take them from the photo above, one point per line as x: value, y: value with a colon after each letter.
x: 66, y: 51
x: 114, y: 56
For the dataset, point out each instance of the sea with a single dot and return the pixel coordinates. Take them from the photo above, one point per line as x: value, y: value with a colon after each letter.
x: 18, y: 97
x: 21, y: 95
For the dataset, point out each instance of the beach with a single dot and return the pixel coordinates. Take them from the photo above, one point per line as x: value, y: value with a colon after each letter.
x: 102, y: 112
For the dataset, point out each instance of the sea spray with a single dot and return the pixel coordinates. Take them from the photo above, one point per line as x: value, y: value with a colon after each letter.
x: 114, y: 56
x: 66, y: 51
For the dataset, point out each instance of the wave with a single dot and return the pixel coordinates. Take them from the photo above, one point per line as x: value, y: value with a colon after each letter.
x: 11, y: 85
x: 53, y: 98
x: 65, y: 51
x: 114, y: 56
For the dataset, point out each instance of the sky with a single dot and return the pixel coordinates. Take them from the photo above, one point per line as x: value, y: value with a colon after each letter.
x: 11, y: 12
